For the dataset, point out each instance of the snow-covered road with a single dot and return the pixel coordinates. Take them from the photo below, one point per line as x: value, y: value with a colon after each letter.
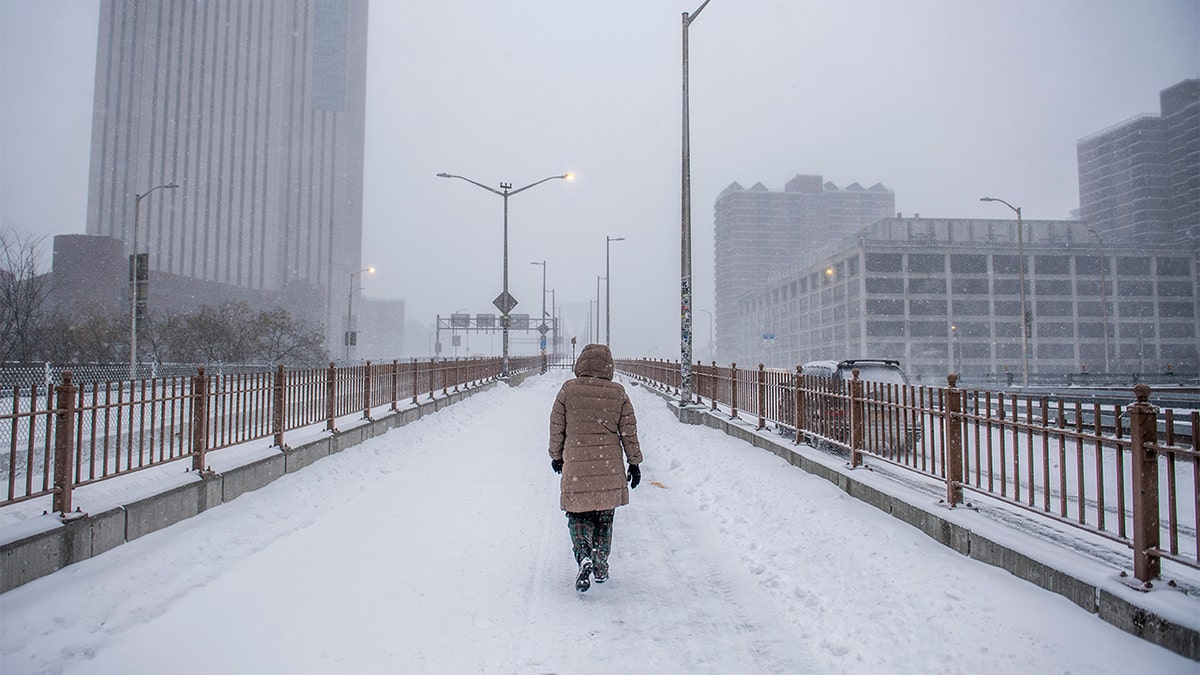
x: 440, y: 548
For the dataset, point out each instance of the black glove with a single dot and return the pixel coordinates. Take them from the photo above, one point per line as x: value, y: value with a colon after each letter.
x: 556, y: 464
x: 635, y: 475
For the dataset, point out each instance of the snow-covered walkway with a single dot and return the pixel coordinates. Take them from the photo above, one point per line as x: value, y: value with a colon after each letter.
x: 440, y: 548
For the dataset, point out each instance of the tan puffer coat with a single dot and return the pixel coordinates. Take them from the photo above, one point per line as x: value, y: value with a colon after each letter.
x: 591, y: 424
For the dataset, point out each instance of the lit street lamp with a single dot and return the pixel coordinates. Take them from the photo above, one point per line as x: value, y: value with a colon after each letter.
x: 133, y: 277
x: 685, y: 262
x: 505, y: 302
x: 608, y: 289
x: 1021, y: 279
x: 350, y: 309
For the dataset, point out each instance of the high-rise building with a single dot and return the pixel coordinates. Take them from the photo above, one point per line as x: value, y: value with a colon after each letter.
x: 1139, y: 180
x: 759, y: 233
x: 257, y: 111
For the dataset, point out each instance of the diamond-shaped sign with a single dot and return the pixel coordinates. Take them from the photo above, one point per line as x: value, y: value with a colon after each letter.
x: 505, y: 302
x: 543, y: 329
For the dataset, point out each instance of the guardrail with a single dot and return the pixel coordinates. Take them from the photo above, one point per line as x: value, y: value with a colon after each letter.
x: 56, y: 438
x: 1101, y: 468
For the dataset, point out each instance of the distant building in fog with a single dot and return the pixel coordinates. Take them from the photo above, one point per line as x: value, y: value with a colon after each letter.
x: 1139, y: 180
x: 257, y: 111
x: 90, y: 277
x: 760, y: 232
x: 941, y: 295
x: 380, y: 326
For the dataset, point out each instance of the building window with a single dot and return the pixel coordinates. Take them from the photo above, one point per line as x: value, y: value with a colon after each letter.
x: 885, y: 285
x: 971, y: 307
x: 883, y: 262
x: 1052, y: 264
x: 926, y: 262
x: 970, y: 286
x: 927, y: 307
x: 927, y: 286
x: 1132, y: 266
x: 968, y: 264
x: 1173, y: 267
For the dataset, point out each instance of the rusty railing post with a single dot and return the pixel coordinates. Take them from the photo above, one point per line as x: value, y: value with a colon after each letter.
x: 432, y: 376
x: 733, y: 387
x: 457, y: 373
x: 714, y: 386
x: 395, y: 382
x: 954, y: 445
x: 797, y: 404
x: 64, y: 443
x: 330, y: 391
x: 857, y: 424
x: 199, y: 420
x: 367, y: 391
x: 416, y: 381
x: 762, y: 397
x: 277, y: 410
x: 1143, y: 432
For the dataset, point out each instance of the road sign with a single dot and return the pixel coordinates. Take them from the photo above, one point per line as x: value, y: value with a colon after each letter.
x: 505, y: 302
x: 543, y: 329
x: 768, y: 336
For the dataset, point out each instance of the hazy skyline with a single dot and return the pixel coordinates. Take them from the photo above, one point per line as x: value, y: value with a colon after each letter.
x: 943, y: 102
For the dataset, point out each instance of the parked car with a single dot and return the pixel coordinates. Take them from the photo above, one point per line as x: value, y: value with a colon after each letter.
x: 886, y: 427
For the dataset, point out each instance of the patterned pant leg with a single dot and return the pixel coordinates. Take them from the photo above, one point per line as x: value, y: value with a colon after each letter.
x: 602, y: 540
x: 582, y: 529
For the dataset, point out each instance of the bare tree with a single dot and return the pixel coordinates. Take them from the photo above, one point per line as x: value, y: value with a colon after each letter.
x: 22, y: 293
x: 283, y: 339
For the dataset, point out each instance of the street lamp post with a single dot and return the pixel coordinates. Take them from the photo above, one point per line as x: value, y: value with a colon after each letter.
x: 1103, y: 296
x: 505, y: 302
x: 1021, y: 280
x: 685, y: 262
x: 608, y: 289
x: 542, y: 342
x: 350, y: 309
x: 133, y: 270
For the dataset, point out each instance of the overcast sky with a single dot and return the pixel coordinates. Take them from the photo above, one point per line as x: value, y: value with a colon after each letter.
x: 943, y: 101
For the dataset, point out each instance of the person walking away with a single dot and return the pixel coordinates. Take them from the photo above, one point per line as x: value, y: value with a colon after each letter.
x: 591, y: 425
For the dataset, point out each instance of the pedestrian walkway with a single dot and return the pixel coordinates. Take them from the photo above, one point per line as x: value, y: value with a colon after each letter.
x: 439, y: 547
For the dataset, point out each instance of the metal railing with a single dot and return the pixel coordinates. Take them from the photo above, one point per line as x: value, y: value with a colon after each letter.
x: 56, y: 438
x: 1100, y: 468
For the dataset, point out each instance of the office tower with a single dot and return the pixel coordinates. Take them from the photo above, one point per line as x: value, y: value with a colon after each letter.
x: 1139, y: 180
x: 760, y: 233
x: 256, y: 110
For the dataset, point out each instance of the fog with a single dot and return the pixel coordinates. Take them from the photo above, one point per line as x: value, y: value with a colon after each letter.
x: 942, y: 102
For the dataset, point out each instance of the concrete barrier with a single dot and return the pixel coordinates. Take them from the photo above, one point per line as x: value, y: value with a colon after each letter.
x: 83, y: 536
x: 1122, y: 611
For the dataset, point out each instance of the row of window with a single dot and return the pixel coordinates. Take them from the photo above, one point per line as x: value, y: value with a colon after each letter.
x: 967, y: 263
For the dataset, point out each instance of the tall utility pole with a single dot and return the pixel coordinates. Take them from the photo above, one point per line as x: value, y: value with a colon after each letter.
x: 608, y: 289
x: 685, y: 263
x: 133, y: 277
